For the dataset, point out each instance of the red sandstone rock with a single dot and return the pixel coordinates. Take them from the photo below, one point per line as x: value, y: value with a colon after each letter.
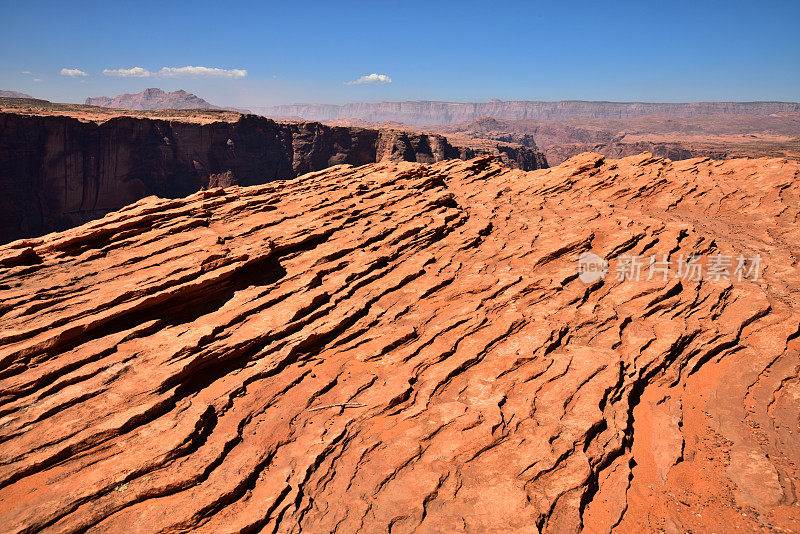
x: 408, y: 347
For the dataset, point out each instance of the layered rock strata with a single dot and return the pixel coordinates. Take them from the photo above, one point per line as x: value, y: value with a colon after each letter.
x: 409, y: 347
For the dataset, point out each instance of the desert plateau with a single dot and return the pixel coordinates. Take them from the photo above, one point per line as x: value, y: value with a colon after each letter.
x: 400, y: 268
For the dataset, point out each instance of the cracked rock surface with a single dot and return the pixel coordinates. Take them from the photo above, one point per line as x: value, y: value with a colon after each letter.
x: 408, y: 347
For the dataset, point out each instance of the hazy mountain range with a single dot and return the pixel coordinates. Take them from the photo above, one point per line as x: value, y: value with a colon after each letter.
x: 13, y: 94
x: 152, y: 98
x: 448, y: 113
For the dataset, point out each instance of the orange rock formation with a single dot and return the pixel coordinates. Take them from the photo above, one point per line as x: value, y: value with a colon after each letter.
x: 408, y: 347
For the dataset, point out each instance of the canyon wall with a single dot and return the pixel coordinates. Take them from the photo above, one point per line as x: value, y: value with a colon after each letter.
x: 58, y: 172
x: 426, y: 112
x: 714, y: 136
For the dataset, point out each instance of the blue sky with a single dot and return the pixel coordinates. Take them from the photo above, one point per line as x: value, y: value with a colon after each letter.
x: 459, y: 51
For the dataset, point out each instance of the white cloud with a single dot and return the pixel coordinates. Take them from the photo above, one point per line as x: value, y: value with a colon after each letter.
x: 371, y: 78
x: 37, y: 80
x: 73, y: 72
x: 26, y: 72
x: 135, y: 72
x: 177, y: 72
x: 206, y: 72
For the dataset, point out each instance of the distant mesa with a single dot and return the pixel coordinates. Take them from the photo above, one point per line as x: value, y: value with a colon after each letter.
x: 13, y: 94
x: 449, y: 113
x: 151, y: 99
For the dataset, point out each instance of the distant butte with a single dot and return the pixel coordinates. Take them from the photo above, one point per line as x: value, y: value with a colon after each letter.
x: 13, y: 94
x: 408, y: 347
x: 152, y: 98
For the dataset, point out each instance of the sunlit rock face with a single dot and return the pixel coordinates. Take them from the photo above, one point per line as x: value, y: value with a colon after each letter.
x: 413, y: 347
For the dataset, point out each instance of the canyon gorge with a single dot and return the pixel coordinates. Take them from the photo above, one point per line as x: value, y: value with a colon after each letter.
x: 62, y: 165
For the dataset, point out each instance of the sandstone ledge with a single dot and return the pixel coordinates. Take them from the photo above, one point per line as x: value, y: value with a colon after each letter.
x: 161, y: 368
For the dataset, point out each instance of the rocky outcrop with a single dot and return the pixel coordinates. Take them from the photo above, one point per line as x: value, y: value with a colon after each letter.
x: 512, y: 155
x: 509, y: 150
x: 152, y: 98
x: 407, y: 347
x: 57, y: 172
x: 427, y: 112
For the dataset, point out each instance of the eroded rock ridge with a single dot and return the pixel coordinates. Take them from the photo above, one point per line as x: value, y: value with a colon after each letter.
x: 408, y: 347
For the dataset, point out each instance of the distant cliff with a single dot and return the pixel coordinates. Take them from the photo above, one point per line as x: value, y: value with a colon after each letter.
x: 428, y: 113
x: 57, y: 172
x: 714, y: 136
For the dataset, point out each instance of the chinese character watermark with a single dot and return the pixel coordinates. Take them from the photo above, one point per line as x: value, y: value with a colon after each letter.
x: 636, y: 268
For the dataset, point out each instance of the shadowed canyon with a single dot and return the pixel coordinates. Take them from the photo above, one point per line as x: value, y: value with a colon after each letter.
x: 63, y: 164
